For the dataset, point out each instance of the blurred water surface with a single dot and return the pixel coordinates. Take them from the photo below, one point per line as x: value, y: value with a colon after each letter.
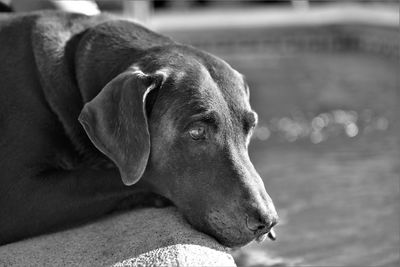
x: 337, y: 193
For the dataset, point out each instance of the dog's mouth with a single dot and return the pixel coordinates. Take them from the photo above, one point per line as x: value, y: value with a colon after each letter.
x: 271, y: 235
x: 263, y: 233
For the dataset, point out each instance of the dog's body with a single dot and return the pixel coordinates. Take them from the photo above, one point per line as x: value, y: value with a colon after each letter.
x: 56, y: 68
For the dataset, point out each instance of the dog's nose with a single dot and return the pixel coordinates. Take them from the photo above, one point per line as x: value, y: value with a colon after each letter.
x: 259, y: 222
x: 261, y: 225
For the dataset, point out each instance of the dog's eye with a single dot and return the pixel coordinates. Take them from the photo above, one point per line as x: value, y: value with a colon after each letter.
x: 197, y: 133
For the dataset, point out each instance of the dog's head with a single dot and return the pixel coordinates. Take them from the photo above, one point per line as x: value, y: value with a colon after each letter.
x: 181, y: 119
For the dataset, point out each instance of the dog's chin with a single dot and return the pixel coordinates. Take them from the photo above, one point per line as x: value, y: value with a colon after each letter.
x: 228, y: 232
x: 233, y: 241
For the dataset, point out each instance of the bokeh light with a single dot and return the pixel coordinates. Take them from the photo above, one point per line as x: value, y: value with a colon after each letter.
x: 322, y: 127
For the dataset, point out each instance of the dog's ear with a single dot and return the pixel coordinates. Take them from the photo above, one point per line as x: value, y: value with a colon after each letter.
x: 116, y: 122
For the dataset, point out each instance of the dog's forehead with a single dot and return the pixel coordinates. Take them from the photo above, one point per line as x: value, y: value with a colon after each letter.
x: 217, y: 85
x: 233, y: 86
x: 197, y: 81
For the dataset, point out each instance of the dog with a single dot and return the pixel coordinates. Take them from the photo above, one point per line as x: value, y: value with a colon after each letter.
x: 98, y: 113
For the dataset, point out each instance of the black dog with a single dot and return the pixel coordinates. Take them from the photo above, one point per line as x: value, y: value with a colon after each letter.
x: 169, y: 118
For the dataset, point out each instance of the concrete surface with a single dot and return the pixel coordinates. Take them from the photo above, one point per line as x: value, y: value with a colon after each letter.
x: 144, y: 237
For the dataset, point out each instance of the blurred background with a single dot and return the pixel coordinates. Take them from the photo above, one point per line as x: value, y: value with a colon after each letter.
x: 324, y: 79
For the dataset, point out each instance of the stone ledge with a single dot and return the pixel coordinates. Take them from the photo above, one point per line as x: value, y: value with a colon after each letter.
x: 142, y: 237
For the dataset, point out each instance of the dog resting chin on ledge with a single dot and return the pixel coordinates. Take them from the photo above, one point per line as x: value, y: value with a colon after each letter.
x: 99, y: 114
